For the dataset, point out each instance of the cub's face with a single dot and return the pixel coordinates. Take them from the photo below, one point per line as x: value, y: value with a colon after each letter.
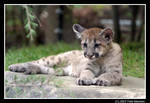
x: 94, y: 41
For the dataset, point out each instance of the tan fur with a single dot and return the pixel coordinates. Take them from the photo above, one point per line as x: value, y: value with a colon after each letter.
x: 104, y: 70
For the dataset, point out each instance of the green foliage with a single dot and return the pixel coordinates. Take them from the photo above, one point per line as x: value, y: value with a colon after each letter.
x: 30, y: 25
x: 78, y: 6
x: 99, y: 7
x: 9, y: 7
x: 12, y: 20
x: 129, y: 14
x: 133, y: 56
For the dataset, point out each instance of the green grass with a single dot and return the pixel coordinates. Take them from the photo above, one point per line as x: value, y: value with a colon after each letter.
x: 133, y: 55
x: 33, y: 52
x: 133, y: 59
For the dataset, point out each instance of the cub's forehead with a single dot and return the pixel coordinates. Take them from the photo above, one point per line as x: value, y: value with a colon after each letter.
x: 91, y: 33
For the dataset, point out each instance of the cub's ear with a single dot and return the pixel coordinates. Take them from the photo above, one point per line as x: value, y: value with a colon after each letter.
x: 107, y: 34
x: 78, y: 29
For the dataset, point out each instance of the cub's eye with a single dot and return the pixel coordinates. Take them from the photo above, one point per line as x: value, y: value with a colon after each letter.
x: 85, y: 45
x: 97, y: 45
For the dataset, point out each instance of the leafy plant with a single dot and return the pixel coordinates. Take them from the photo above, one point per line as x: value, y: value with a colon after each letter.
x: 30, y: 24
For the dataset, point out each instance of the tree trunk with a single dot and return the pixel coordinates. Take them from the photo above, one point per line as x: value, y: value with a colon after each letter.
x: 134, y: 10
x: 68, y: 35
x: 40, y: 38
x: 142, y: 24
x: 50, y: 21
x: 116, y: 23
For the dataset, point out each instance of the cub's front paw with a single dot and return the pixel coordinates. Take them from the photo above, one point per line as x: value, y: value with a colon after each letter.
x: 102, y: 82
x: 84, y: 81
x: 16, y: 68
x: 26, y: 68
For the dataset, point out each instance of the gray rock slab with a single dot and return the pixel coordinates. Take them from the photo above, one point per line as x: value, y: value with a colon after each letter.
x: 18, y: 85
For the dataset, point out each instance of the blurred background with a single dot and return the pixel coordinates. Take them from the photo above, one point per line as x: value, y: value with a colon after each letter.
x: 55, y: 22
x: 35, y: 31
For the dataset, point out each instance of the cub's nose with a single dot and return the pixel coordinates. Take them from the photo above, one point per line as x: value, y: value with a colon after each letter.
x: 90, y: 55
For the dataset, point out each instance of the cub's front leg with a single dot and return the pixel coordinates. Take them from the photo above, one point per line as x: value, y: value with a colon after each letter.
x: 86, y: 78
x: 31, y: 68
x: 108, y: 79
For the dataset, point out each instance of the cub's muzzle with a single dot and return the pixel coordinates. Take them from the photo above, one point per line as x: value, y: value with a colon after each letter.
x: 91, y: 55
